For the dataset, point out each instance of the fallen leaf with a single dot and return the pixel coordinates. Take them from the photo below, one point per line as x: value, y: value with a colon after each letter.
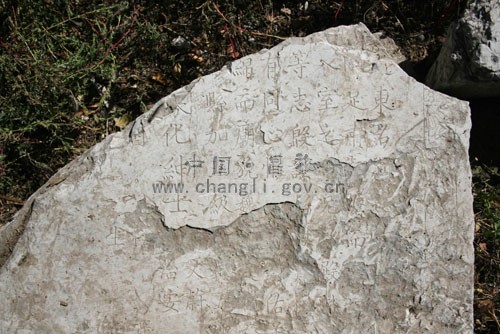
x: 122, y: 121
x: 232, y: 52
x: 286, y: 11
x: 158, y: 78
x: 177, y: 68
x: 197, y: 58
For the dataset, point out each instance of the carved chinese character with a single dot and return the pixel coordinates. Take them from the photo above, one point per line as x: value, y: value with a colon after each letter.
x: 192, y: 165
x: 243, y: 68
x: 177, y: 200
x: 275, y: 304
x: 271, y: 102
x: 369, y: 134
x: 246, y: 134
x: 195, y: 301
x: 218, y: 135
x: 169, y: 301
x: 273, y: 69
x: 274, y: 165
x: 328, y: 103
x: 297, y: 62
x: 245, y: 102
x: 221, y: 165
x: 244, y: 166
x: 300, y: 136
x: 303, y: 163
x: 218, y: 203
x: 120, y: 236
x: 300, y: 102
x: 176, y: 135
x: 383, y: 102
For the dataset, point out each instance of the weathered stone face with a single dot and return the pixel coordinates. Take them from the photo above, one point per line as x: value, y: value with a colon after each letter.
x: 310, y: 188
x: 468, y: 65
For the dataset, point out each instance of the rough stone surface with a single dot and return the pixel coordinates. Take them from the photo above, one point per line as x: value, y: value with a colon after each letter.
x: 468, y: 65
x: 325, y: 191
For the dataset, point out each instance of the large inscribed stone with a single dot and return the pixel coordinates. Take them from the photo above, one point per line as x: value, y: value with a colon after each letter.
x: 310, y: 188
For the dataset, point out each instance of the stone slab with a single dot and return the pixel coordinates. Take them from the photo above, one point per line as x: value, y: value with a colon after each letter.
x: 310, y: 188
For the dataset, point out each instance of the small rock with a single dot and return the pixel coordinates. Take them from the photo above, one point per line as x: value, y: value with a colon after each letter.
x: 180, y: 43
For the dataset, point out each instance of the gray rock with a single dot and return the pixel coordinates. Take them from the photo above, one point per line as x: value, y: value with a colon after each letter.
x: 323, y: 191
x: 468, y: 65
x: 180, y: 43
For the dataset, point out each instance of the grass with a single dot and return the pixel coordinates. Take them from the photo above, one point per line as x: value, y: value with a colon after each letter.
x: 74, y: 71
x: 486, y: 185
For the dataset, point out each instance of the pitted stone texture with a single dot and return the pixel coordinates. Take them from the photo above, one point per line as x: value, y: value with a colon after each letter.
x: 323, y: 191
x: 468, y: 65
